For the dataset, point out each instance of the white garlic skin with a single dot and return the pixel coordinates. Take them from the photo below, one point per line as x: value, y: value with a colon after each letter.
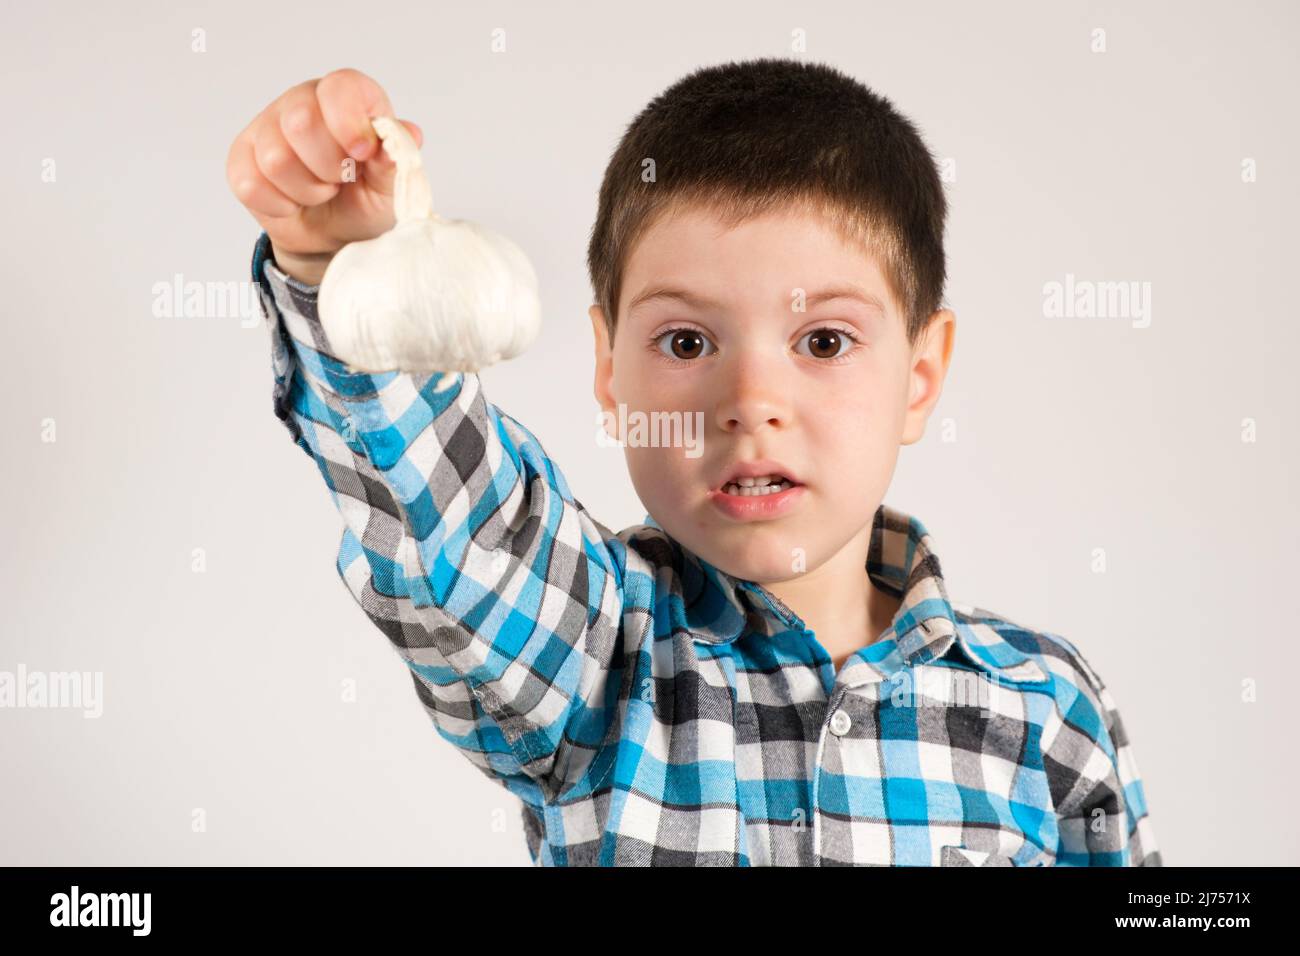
x: 430, y: 295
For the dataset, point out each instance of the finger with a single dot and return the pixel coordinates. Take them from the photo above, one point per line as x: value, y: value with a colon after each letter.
x: 252, y: 188
x: 277, y: 161
x: 305, y: 131
x: 348, y: 101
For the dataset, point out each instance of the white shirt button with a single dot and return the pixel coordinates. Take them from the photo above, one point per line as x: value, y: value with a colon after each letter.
x: 840, y: 723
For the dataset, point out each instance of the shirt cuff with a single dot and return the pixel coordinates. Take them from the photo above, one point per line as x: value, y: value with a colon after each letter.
x: 284, y: 299
x: 299, y: 337
x: 290, y: 304
x: 303, y: 296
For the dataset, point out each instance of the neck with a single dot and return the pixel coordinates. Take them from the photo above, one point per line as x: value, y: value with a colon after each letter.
x: 838, y: 601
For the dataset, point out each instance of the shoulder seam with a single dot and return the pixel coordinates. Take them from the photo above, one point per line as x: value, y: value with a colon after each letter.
x: 1080, y: 662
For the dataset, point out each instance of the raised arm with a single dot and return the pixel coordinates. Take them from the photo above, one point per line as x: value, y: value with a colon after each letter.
x: 462, y: 541
x: 464, y: 545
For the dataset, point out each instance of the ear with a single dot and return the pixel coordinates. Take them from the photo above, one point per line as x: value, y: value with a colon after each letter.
x: 603, y: 386
x: 930, y: 358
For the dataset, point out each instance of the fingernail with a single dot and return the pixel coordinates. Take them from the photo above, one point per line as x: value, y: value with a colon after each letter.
x: 359, y: 149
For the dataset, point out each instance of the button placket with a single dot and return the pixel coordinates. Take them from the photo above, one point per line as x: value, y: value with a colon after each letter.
x: 837, y: 726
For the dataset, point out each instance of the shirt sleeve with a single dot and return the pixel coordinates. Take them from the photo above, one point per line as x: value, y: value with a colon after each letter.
x: 463, y: 544
x: 1101, y: 807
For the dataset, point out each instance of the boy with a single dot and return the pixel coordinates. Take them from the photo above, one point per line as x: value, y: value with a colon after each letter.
x: 769, y: 671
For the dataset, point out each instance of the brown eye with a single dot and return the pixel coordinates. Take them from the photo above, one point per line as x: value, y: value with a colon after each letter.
x: 683, y: 344
x: 828, y: 343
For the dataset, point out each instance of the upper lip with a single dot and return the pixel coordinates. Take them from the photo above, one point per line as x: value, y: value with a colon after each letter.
x: 753, y: 469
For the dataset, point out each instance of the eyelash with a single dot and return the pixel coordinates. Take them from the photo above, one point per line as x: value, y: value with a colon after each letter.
x: 849, y: 334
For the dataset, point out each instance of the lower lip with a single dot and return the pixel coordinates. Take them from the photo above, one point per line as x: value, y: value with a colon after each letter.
x: 757, y: 507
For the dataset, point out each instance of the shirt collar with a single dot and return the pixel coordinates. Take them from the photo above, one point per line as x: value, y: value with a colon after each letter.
x: 716, y: 608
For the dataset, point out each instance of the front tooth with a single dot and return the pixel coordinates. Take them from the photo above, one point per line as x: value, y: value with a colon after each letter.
x: 746, y: 482
x: 753, y: 491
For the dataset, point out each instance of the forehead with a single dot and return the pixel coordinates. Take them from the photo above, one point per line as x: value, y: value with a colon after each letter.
x: 756, y: 261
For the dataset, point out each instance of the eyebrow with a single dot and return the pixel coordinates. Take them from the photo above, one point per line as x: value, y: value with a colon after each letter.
x: 695, y: 300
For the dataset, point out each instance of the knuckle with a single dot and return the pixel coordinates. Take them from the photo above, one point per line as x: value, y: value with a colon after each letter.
x: 245, y: 188
x: 298, y: 90
x: 238, y: 175
x: 296, y: 118
x: 342, y: 78
x: 233, y: 156
x: 352, y: 87
x: 275, y: 159
x: 301, y: 97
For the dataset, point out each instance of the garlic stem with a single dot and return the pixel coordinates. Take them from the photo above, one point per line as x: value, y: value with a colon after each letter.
x: 412, y: 198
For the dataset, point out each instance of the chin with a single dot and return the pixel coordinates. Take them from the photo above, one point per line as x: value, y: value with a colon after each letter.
x: 755, y: 552
x: 768, y: 564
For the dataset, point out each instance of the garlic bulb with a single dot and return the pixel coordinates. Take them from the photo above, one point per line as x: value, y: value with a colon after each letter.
x: 431, y: 294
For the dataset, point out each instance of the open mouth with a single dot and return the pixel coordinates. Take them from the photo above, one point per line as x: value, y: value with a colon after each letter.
x: 758, y: 487
x: 758, y: 497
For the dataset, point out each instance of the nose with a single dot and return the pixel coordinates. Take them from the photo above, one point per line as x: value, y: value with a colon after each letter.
x: 755, y: 393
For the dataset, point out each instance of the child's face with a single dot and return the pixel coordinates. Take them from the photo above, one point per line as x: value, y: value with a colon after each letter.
x: 831, y: 411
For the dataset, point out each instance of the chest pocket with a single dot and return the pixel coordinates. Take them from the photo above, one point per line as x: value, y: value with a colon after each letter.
x: 955, y: 855
x: 964, y: 856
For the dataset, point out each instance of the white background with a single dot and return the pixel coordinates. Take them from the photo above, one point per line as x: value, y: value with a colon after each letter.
x: 222, y: 689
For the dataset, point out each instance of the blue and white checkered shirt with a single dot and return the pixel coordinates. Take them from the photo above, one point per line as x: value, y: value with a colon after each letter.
x: 649, y: 709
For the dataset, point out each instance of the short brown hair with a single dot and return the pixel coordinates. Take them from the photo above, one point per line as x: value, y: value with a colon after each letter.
x: 743, y: 138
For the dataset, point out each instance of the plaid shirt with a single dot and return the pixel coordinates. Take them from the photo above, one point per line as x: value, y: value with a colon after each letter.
x: 646, y: 707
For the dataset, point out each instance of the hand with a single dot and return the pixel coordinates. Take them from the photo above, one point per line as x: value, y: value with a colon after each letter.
x: 288, y: 169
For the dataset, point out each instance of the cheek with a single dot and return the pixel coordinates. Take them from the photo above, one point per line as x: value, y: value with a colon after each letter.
x: 658, y: 472
x: 846, y: 400
x: 662, y: 482
x: 644, y: 390
x: 855, y: 427
x: 633, y: 363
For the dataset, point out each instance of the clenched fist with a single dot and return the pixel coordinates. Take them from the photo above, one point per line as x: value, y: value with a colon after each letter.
x: 290, y: 168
